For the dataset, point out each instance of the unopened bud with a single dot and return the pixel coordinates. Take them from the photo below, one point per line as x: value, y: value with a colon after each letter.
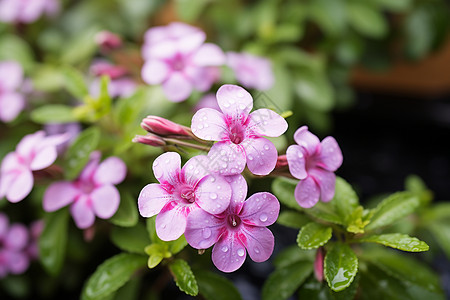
x: 101, y: 68
x: 108, y: 40
x: 164, y: 127
x: 281, y: 162
x: 318, y: 264
x: 149, y: 139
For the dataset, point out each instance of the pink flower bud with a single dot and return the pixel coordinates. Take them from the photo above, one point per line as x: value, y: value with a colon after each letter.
x: 164, y: 127
x: 149, y: 139
x: 100, y: 68
x: 318, y: 264
x: 281, y: 162
x: 108, y: 40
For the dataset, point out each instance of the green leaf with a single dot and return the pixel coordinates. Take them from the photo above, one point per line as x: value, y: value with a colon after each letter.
x: 81, y: 47
x: 398, y: 241
x: 281, y: 93
x: 393, y: 208
x: 111, y: 275
x: 441, y: 232
x: 313, y: 289
x: 189, y: 11
x: 419, y: 32
x: 330, y: 15
x: 53, y: 241
x: 156, y: 252
x: 315, y: 90
x: 340, y: 267
x: 358, y: 220
x: 292, y: 219
x: 216, y: 287
x: 74, y: 82
x: 177, y: 245
x: 367, y: 19
x: 131, y: 239
x: 127, y: 214
x: 284, y: 188
x: 415, y: 184
x: 183, y: 276
x: 78, y: 153
x: 326, y: 212
x: 345, y: 199
x: 53, y: 113
x: 128, y: 110
x: 437, y: 212
x: 313, y: 235
x: 283, y: 282
x: 12, y: 47
x: 151, y: 229
x: 293, y: 254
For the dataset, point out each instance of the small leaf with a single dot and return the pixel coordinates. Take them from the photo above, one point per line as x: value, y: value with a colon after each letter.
x: 341, y: 266
x: 345, y: 199
x: 78, y: 153
x: 111, y: 275
x: 284, y: 188
x: 74, y: 82
x: 156, y: 252
x: 358, y: 220
x: 53, y: 113
x: 283, y: 282
x: 127, y: 214
x: 292, y: 219
x: 313, y: 235
x: 437, y: 212
x: 215, y: 287
x: 151, y: 229
x: 184, y: 278
x: 53, y: 241
x: 393, y: 208
x: 132, y: 239
x: 398, y: 241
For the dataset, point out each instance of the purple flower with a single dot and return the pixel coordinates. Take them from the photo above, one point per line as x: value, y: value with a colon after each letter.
x: 239, y: 133
x: 13, y: 243
x: 36, y: 229
x: 313, y: 162
x: 92, y: 194
x: 182, y: 191
x: 11, y: 102
x: 119, y: 85
x: 34, y: 152
x: 251, y: 71
x: 26, y: 11
x: 241, y: 227
x: 177, y: 57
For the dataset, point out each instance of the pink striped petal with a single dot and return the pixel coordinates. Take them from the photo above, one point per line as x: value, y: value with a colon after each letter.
x: 177, y: 87
x: 82, y: 212
x: 58, y: 195
x: 195, y: 169
x: 155, y: 71
x: 331, y: 155
x: 209, y: 55
x: 307, y: 193
x: 306, y: 139
x: 105, y: 201
x: 234, y: 101
x: 259, y: 242
x: 203, y: 229
x: 20, y: 187
x: 261, y: 209
x: 239, y: 192
x: 209, y: 124
x: 171, y: 221
x: 261, y: 155
x: 227, y: 158
x: 267, y: 122
x: 229, y: 253
x: 17, y: 237
x: 296, y: 157
x: 152, y: 199
x: 167, y: 167
x: 111, y: 171
x: 326, y: 181
x: 213, y: 194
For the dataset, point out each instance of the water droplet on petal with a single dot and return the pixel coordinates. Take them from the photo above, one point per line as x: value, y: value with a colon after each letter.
x: 213, y: 196
x: 213, y: 179
x: 250, y: 157
x: 224, y: 249
x: 200, y: 126
x: 226, y: 104
x: 241, y: 252
x: 206, y: 233
x: 263, y: 217
x: 266, y: 147
x: 256, y: 249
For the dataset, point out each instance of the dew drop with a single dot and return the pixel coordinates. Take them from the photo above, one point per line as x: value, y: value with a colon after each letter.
x: 213, y: 196
x: 224, y: 249
x: 213, y: 179
x: 224, y: 165
x: 250, y: 157
x: 206, y: 125
x: 226, y: 104
x: 206, y: 233
x: 266, y: 147
x: 200, y: 126
x: 241, y: 252
x: 256, y: 249
x: 263, y: 217
x: 218, y: 187
x: 240, y: 94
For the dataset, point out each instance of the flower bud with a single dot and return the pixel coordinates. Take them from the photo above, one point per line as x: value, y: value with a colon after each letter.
x: 101, y: 68
x: 281, y: 162
x: 108, y: 40
x: 318, y: 264
x: 164, y: 127
x: 149, y: 139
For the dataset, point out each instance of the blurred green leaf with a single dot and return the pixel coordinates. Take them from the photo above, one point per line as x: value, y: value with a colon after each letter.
x: 213, y: 286
x: 340, y: 267
x: 47, y: 78
x: 419, y: 34
x: 416, y: 185
x: 314, y: 89
x: 189, y: 11
x: 75, y: 83
x: 345, y: 199
x: 131, y: 239
x: 12, y: 47
x: 314, y: 289
x: 127, y: 214
x: 292, y: 219
x: 313, y: 235
x: 112, y: 274
x: 53, y: 113
x: 330, y: 15
x: 437, y: 212
x: 284, y: 189
x: 81, y: 47
x: 398, y: 241
x: 326, y: 212
x: 395, y: 6
x: 281, y: 92
x: 293, y: 254
x: 183, y: 276
x: 441, y: 232
x: 366, y: 19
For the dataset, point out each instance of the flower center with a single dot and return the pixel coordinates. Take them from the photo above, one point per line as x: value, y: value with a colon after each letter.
x: 187, y: 194
x: 234, y: 221
x: 86, y: 186
x: 236, y: 133
x: 178, y: 63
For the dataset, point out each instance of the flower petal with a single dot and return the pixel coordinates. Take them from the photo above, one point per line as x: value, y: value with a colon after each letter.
x: 203, y: 229
x: 260, y: 209
x: 152, y: 199
x: 17, y: 237
x: 267, y: 122
x: 227, y: 158
x: 58, y: 195
x: 177, y: 87
x: 195, y: 169
x: 89, y: 170
x: 331, y: 154
x: 105, y: 201
x: 296, y: 157
x: 167, y: 167
x: 155, y: 71
x: 234, y: 101
x: 209, y: 124
x: 239, y: 192
x: 259, y: 242
x: 11, y: 104
x: 82, y: 213
x: 307, y: 192
x: 11, y: 75
x: 171, y: 221
x: 111, y: 171
x: 10, y: 162
x: 43, y: 158
x: 4, y: 225
x: 17, y: 262
x: 326, y: 181
x: 209, y: 55
x: 213, y: 194
x: 306, y: 139
x: 229, y: 253
x: 29, y: 143
x: 261, y: 155
x: 20, y: 187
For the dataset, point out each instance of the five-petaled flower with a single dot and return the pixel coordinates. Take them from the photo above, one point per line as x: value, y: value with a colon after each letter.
x: 239, y: 132
x: 34, y: 152
x: 92, y: 194
x: 313, y: 162
x: 177, y: 57
x: 239, y: 228
x: 11, y: 101
x: 182, y: 191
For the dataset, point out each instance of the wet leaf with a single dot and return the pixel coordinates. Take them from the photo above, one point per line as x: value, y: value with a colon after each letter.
x: 313, y: 235
x: 340, y: 267
x: 184, y: 278
x: 398, y: 241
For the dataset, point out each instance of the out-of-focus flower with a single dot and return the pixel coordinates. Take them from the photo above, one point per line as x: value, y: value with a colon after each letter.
x: 70, y: 129
x: 107, y: 40
x: 313, y: 162
x: 11, y: 79
x: 36, y: 229
x: 239, y: 132
x: 251, y: 71
x: 34, y: 152
x: 182, y: 191
x: 177, y: 57
x: 13, y: 243
x: 207, y: 101
x: 26, y: 11
x: 239, y: 228
x: 92, y: 194
x: 119, y: 85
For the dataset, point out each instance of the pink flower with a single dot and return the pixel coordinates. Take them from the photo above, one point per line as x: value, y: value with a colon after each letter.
x: 182, y: 191
x: 108, y: 41
x: 13, y: 243
x: 11, y: 79
x: 239, y: 133
x: 36, y: 229
x: 241, y: 227
x: 119, y: 85
x: 34, y: 152
x: 92, y: 194
x: 313, y: 162
x: 177, y: 57
x: 26, y: 11
x: 251, y: 71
